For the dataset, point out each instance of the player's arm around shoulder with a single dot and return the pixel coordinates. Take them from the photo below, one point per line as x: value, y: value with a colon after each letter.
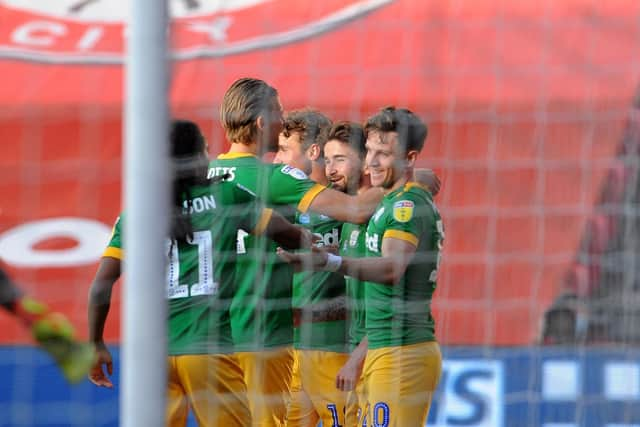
x: 429, y: 179
x: 344, y: 208
x: 288, y: 185
x: 397, y: 250
x: 288, y: 235
x: 270, y: 223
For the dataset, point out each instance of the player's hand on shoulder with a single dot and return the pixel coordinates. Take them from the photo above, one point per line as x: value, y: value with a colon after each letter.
x: 429, y: 178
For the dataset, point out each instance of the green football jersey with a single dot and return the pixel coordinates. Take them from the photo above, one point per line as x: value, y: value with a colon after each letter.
x: 261, y: 315
x: 315, y: 294
x: 400, y: 314
x: 200, y: 272
x: 352, y: 246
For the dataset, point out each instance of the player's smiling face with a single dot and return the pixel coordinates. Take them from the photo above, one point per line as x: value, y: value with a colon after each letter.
x: 343, y: 166
x: 385, y: 161
x: 290, y: 152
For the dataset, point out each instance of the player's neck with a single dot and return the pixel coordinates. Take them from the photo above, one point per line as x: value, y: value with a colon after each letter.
x: 317, y: 174
x: 400, y: 182
x: 238, y: 147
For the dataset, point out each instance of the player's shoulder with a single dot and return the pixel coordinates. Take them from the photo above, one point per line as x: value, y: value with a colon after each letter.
x: 234, y: 157
x: 232, y: 192
x: 411, y: 192
x: 235, y: 166
x: 415, y: 190
x: 289, y: 171
x: 411, y: 201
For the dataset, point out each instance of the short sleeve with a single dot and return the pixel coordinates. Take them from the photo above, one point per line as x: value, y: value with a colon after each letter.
x: 291, y: 186
x: 407, y: 218
x: 114, y: 247
x: 249, y: 211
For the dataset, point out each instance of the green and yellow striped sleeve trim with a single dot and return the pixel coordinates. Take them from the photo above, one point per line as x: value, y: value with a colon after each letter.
x: 113, y: 252
x: 263, y: 221
x: 401, y: 235
x: 311, y: 194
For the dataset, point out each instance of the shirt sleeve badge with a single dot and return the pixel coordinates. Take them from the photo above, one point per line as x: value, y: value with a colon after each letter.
x: 403, y: 210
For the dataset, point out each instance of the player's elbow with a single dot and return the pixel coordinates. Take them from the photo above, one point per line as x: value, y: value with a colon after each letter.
x: 394, y: 273
x: 293, y: 237
x: 361, y: 215
x: 389, y: 277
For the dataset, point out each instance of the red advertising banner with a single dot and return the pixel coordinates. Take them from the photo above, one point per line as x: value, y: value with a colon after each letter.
x: 525, y: 104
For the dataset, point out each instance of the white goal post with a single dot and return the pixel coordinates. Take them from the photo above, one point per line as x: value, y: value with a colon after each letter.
x: 146, y: 190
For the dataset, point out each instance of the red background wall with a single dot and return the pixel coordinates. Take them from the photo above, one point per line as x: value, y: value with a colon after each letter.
x: 525, y: 104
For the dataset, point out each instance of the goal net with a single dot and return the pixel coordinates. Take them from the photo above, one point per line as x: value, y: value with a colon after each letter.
x: 533, y: 128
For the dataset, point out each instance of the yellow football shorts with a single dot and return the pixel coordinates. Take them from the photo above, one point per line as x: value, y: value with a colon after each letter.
x: 211, y: 385
x: 268, y: 377
x: 354, y: 411
x: 399, y: 383
x: 314, y: 395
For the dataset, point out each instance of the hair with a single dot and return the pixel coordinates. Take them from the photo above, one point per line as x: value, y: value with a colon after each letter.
x: 245, y: 100
x: 190, y: 164
x: 312, y: 125
x: 412, y: 132
x: 349, y: 133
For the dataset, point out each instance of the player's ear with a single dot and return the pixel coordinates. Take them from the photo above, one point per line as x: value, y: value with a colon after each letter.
x: 412, y: 156
x: 314, y: 152
x: 260, y: 122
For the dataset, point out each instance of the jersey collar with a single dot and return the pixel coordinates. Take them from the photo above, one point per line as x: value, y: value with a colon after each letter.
x: 230, y: 155
x: 408, y: 186
x: 411, y: 184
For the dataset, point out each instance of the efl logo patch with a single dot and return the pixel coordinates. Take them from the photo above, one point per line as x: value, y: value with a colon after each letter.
x: 294, y: 172
x: 304, y: 218
x: 403, y: 210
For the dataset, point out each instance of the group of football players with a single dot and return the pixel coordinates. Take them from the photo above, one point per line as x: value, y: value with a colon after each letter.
x: 299, y: 290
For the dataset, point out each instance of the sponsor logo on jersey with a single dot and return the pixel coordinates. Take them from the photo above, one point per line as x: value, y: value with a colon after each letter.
x: 304, y: 218
x: 378, y: 214
x: 294, y: 172
x: 328, y: 239
x: 353, y: 238
x: 372, y: 242
x: 403, y: 210
x: 94, y: 31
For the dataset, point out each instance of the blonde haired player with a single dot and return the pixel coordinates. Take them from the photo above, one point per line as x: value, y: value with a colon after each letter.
x: 261, y: 312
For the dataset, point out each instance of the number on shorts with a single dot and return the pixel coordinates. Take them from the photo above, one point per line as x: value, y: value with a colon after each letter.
x: 334, y: 414
x: 380, y: 416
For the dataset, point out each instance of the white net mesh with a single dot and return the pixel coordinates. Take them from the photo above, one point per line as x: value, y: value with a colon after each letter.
x: 532, y: 127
